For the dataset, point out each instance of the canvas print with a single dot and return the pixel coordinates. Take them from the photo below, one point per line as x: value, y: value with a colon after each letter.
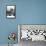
x: 29, y: 35
x: 11, y: 11
x: 33, y: 32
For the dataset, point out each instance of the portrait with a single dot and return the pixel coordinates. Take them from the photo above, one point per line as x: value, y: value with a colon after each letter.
x: 11, y: 11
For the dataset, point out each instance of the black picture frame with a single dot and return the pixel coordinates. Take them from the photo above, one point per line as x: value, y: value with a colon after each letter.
x: 11, y: 11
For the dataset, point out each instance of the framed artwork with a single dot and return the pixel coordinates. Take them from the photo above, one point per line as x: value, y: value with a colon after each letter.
x: 32, y: 32
x: 11, y: 11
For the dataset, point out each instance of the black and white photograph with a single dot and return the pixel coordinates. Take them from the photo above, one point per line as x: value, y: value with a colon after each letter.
x: 11, y: 11
x: 31, y: 34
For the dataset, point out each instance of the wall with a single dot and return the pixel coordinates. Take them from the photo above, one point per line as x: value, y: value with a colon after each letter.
x: 27, y: 12
x: 31, y: 11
